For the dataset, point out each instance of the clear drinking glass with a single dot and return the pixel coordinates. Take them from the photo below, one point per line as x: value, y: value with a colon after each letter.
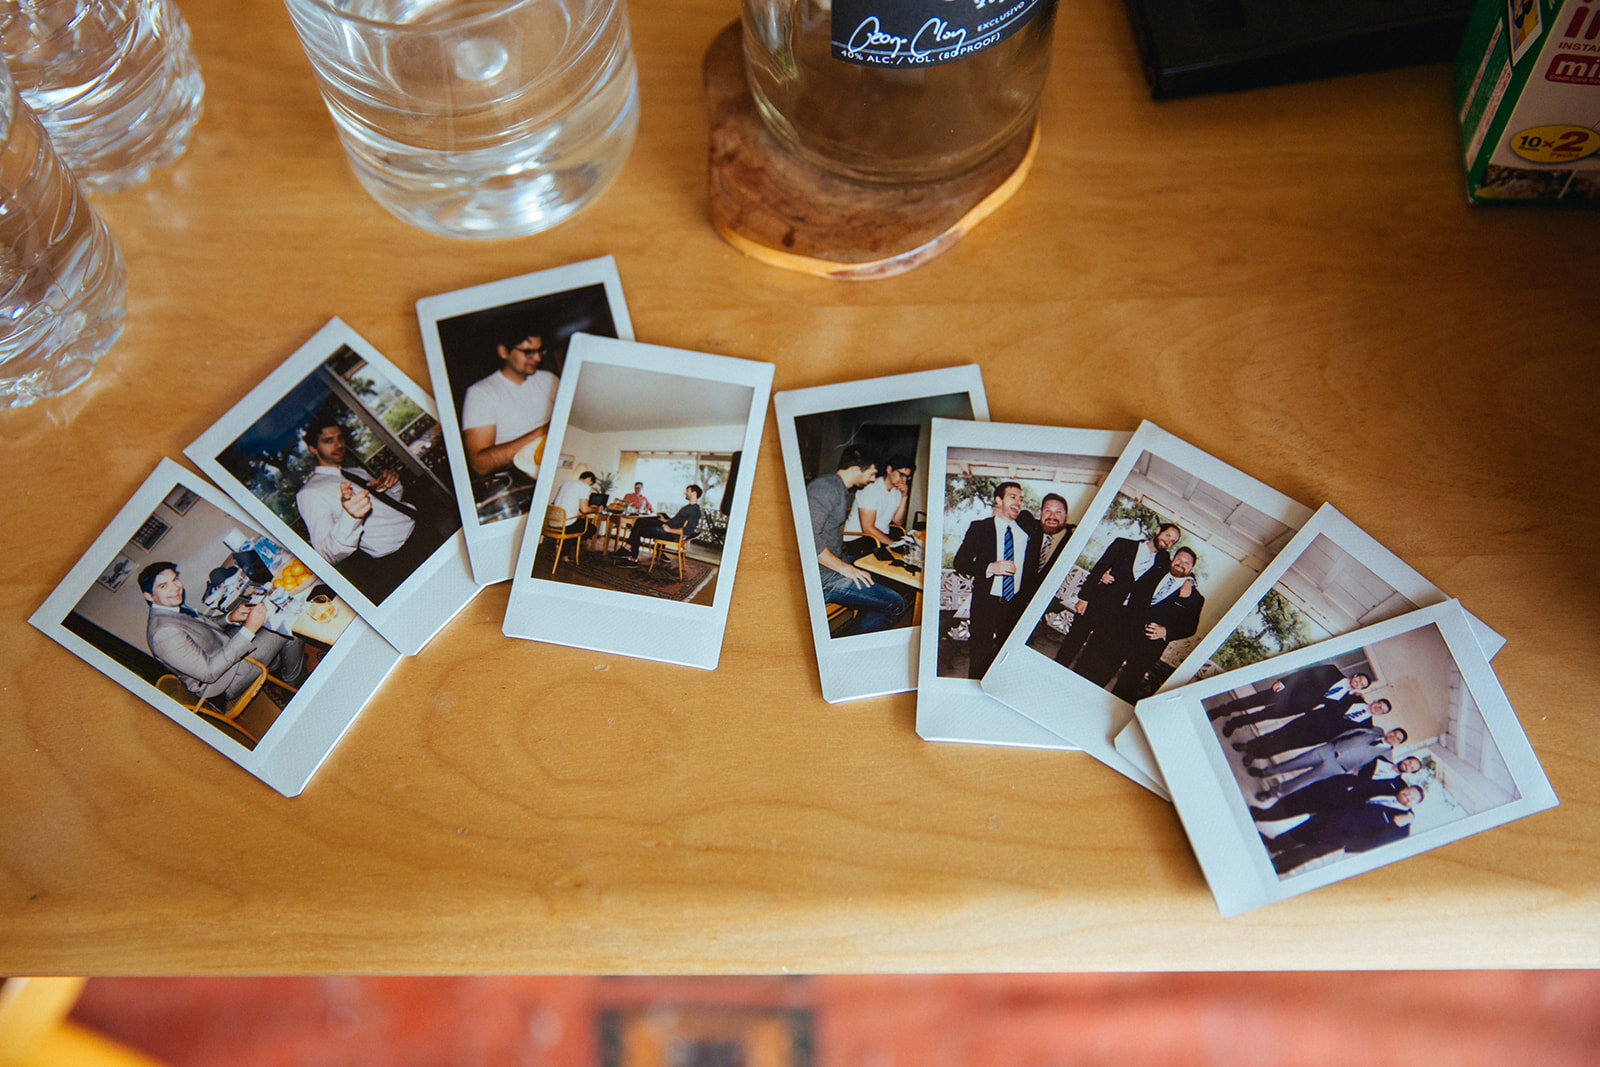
x: 62, y: 285
x: 115, y: 82
x: 908, y: 113
x: 476, y: 118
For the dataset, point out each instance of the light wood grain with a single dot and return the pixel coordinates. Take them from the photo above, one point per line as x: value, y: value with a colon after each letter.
x: 1290, y: 278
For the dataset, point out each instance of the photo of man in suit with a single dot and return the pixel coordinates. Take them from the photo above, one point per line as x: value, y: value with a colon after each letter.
x: 995, y: 553
x: 207, y: 656
x: 1129, y: 649
x: 1052, y: 530
x: 1125, y: 567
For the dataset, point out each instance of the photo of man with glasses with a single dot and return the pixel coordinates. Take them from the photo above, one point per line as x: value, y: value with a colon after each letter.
x: 510, y: 409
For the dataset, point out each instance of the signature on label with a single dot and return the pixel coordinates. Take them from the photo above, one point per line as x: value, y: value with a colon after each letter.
x: 933, y: 37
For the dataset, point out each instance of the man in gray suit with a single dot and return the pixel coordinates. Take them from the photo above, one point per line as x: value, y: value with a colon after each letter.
x: 1345, y: 754
x: 205, y: 655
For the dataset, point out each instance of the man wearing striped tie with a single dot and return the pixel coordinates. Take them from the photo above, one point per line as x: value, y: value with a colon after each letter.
x: 996, y: 555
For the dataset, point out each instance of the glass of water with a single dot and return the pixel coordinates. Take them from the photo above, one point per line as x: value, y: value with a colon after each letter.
x: 476, y: 118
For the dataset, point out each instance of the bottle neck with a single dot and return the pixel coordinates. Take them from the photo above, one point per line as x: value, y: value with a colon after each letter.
x: 9, y: 101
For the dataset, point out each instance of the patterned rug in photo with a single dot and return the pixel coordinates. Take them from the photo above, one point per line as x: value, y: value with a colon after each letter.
x: 603, y: 571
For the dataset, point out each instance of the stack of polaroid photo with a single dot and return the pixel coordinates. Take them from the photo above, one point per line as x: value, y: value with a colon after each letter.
x: 1312, y: 705
x: 363, y: 517
x: 637, y: 461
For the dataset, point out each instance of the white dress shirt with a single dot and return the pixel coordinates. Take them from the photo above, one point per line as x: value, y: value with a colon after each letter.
x: 1019, y: 553
x: 1144, y: 557
x: 1166, y: 587
x: 335, y: 533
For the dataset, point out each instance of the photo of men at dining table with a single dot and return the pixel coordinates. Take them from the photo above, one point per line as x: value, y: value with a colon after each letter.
x: 355, y: 468
x: 502, y: 367
x: 645, y: 488
x: 1169, y: 555
x: 1358, y: 751
x: 1007, y: 516
x: 222, y: 621
x: 868, y: 508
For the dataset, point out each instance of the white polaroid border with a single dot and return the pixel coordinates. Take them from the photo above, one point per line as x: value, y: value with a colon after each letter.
x: 863, y: 665
x: 1328, y: 522
x: 957, y: 709
x: 1214, y: 812
x: 633, y: 624
x: 432, y: 595
x: 1058, y: 698
x: 492, y: 546
x: 314, y: 720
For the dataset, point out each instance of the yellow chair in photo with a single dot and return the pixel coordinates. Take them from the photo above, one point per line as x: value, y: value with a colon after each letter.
x: 555, y: 528
x: 670, y: 545
x: 171, y: 686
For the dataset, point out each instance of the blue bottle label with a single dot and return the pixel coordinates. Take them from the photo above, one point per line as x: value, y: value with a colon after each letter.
x: 924, y: 33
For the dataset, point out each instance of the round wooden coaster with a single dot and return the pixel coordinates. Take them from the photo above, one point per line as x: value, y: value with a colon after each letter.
x: 774, y: 206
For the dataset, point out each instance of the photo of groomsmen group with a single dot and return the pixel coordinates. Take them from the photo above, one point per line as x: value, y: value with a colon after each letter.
x: 1171, y: 553
x: 1007, y: 516
x: 1359, y: 751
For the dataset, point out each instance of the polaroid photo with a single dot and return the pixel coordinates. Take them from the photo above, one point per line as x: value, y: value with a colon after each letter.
x: 638, y: 538
x: 496, y: 354
x: 1332, y: 578
x: 220, y: 630
x: 1525, y: 20
x: 851, y: 453
x: 1427, y: 752
x: 338, y: 456
x: 995, y: 481
x: 1170, y: 541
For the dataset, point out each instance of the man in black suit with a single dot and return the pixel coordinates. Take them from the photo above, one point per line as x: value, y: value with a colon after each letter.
x: 999, y: 556
x: 1358, y: 827
x: 1322, y: 683
x: 1051, y: 529
x: 1380, y: 778
x: 1126, y: 566
x: 1169, y: 612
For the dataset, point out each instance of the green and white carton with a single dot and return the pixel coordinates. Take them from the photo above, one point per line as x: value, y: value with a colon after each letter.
x: 1527, y: 85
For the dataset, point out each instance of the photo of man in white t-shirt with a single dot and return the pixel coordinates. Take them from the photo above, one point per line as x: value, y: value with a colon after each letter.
x: 510, y: 409
x: 880, y: 506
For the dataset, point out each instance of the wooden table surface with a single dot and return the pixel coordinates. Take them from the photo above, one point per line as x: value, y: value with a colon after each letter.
x: 1289, y: 278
